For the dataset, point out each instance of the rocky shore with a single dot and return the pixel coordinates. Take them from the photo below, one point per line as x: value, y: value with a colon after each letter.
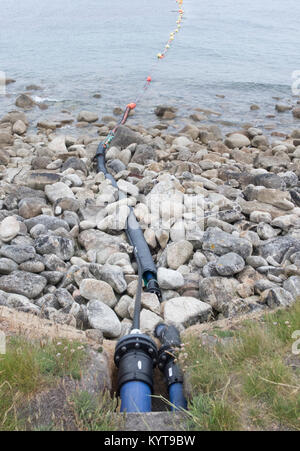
x: 221, y: 215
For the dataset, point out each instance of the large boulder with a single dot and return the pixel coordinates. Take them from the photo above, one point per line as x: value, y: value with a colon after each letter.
x: 144, y: 154
x: 185, y: 311
x: 18, y: 254
x: 219, y: 292
x: 179, y: 253
x: 111, y: 274
x: 9, y: 228
x: 57, y: 191
x: 124, y: 137
x: 102, y: 317
x: 98, y: 289
x: 24, y: 101
x: 62, y: 247
x: 292, y: 285
x: 87, y: 116
x: 102, y: 243
x: 277, y: 297
x: 221, y: 243
x: 31, y: 207
x: 229, y: 264
x: 278, y: 247
x: 24, y: 283
x: 149, y: 320
x: 169, y: 279
x: 49, y: 222
x: 237, y: 140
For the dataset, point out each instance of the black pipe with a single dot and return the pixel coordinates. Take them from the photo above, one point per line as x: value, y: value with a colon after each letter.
x: 134, y: 234
x: 170, y: 339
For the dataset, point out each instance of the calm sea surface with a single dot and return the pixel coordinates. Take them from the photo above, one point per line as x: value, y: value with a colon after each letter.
x: 244, y: 50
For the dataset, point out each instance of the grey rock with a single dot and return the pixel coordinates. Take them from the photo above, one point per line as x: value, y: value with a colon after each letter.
x: 22, y: 303
x: 237, y: 140
x: 279, y: 247
x: 31, y: 207
x: 292, y: 285
x: 59, y: 317
x: 50, y: 222
x: 186, y: 311
x: 87, y: 116
x: 290, y: 179
x: 66, y: 203
x: 144, y: 154
x: 124, y: 137
x: 122, y: 306
x: 7, y: 266
x: 277, y: 297
x: 269, y: 181
x: 219, y: 292
x: 103, y: 318
x: 35, y: 266
x: 220, y: 243
x: 256, y: 261
x: 40, y: 162
x: 54, y: 263
x: 75, y: 163
x: 57, y: 245
x: 111, y: 274
x: 169, y: 279
x: 48, y: 300
x: 24, y: 101
x: 57, y: 191
x: 104, y: 244
x: 92, y: 289
x: 264, y: 284
x: 53, y: 277
x: 40, y: 179
x: 63, y: 298
x: 9, y: 228
x: 18, y: 254
x: 230, y: 264
x: 24, y: 283
x: 209, y: 270
x: 149, y: 320
x: 116, y: 166
x: 266, y: 231
x: 179, y: 253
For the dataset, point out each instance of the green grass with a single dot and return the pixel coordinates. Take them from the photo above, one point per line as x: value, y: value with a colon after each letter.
x: 28, y: 367
x: 247, y: 382
x: 95, y: 413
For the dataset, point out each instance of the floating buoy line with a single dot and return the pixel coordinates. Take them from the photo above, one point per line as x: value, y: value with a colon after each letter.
x: 136, y: 354
x: 159, y: 57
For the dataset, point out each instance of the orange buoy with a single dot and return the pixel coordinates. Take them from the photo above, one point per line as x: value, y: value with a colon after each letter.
x: 131, y: 106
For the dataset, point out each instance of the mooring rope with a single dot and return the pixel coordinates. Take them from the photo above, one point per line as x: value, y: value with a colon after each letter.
x: 160, y: 56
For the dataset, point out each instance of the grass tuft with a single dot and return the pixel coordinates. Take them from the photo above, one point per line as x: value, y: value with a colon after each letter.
x: 28, y: 367
x: 95, y: 413
x: 246, y: 383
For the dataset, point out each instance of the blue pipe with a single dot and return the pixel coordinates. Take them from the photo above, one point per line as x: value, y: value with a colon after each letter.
x: 176, y: 397
x: 136, y: 397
